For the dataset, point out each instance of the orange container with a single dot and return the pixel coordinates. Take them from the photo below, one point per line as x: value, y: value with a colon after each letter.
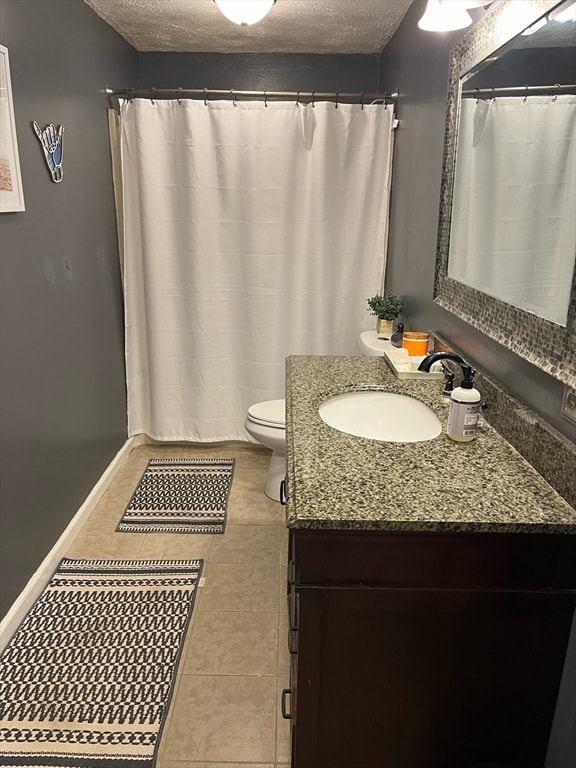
x: 415, y: 343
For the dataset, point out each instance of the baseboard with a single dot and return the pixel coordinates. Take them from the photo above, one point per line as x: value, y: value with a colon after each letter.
x: 42, y: 576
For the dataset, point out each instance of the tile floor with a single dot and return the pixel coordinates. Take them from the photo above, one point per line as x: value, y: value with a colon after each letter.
x: 225, y: 712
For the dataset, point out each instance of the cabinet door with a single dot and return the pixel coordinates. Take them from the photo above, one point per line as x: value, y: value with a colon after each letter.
x: 427, y: 678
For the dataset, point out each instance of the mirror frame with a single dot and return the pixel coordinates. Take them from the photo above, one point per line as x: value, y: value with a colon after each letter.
x: 548, y: 346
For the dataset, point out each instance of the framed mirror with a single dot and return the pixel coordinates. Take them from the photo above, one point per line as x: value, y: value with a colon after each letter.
x: 533, y: 314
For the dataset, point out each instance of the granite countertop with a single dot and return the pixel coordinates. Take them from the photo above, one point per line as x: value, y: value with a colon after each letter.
x: 341, y: 482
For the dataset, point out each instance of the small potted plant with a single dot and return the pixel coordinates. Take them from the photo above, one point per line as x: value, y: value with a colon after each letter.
x: 386, y: 308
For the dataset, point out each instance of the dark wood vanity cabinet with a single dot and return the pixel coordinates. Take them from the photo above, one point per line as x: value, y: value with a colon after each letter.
x: 417, y: 650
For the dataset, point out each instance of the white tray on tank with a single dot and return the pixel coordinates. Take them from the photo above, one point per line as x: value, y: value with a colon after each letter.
x: 414, y: 373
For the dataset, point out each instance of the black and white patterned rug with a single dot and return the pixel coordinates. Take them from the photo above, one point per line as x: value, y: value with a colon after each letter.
x: 180, y: 496
x: 87, y: 679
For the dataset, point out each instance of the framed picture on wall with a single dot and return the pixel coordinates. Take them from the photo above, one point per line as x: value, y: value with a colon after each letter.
x: 11, y: 193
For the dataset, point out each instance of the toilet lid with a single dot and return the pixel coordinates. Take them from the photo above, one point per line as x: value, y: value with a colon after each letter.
x: 270, y: 412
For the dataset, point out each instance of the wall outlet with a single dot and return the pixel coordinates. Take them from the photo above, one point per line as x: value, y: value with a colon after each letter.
x: 569, y: 404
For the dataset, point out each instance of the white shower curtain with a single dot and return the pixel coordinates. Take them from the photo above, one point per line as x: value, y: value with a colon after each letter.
x: 513, y: 233
x: 253, y: 231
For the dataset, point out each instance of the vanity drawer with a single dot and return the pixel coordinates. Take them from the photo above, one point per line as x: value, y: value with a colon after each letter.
x: 436, y: 560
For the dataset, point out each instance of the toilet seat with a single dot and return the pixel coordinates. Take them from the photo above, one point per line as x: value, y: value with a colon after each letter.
x: 270, y: 413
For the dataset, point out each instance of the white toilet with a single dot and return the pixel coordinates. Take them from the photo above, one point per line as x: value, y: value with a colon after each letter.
x: 371, y: 345
x: 266, y: 421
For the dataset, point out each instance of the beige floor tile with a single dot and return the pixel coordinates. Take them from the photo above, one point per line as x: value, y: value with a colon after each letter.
x: 224, y: 711
x: 232, y: 643
x: 157, y: 451
x: 240, y: 587
x: 122, y: 489
x: 250, y: 456
x: 222, y: 719
x: 249, y: 505
x: 129, y: 473
x: 108, y: 508
x: 102, y: 545
x: 207, y: 451
x: 101, y: 523
x: 177, y: 546
x: 247, y: 455
x: 248, y: 544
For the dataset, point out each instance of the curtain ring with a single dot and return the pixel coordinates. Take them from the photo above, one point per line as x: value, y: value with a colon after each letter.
x: 205, y: 97
x: 362, y: 99
x: 130, y: 98
x: 234, y: 95
x: 313, y: 92
x: 265, y: 99
x: 153, y: 96
x: 557, y: 92
x: 180, y: 97
x: 525, y: 93
x: 477, y: 95
x: 336, y: 100
x: 298, y: 99
x: 493, y: 94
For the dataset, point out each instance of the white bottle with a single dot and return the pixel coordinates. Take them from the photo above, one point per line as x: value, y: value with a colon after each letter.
x: 464, y: 409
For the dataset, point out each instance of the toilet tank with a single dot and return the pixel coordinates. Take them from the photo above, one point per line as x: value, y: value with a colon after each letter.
x: 370, y: 345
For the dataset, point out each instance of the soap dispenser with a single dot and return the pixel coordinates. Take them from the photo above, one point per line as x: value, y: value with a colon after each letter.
x: 464, y: 409
x: 396, y: 338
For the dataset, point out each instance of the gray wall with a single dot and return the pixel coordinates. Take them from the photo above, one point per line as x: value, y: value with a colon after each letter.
x: 62, y: 388
x: 255, y: 72
x: 417, y: 63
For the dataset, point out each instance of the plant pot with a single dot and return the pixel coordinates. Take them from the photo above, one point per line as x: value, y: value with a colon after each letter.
x: 384, y: 327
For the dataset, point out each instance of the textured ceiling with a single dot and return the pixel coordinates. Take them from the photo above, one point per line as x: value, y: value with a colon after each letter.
x: 292, y: 26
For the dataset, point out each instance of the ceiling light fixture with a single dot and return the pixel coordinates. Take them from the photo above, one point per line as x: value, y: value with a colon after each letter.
x: 445, y: 16
x: 244, y: 12
x: 566, y: 12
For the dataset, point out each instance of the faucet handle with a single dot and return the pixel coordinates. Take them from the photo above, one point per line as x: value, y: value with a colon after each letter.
x: 448, y: 380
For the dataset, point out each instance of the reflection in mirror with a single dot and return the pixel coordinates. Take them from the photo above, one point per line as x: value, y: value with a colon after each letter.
x: 507, y: 236
x: 513, y: 232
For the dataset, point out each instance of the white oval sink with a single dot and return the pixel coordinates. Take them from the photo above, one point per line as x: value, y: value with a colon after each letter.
x: 381, y: 416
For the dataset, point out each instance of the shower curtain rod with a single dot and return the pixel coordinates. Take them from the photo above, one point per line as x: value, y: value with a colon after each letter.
x: 206, y: 93
x: 521, y: 89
